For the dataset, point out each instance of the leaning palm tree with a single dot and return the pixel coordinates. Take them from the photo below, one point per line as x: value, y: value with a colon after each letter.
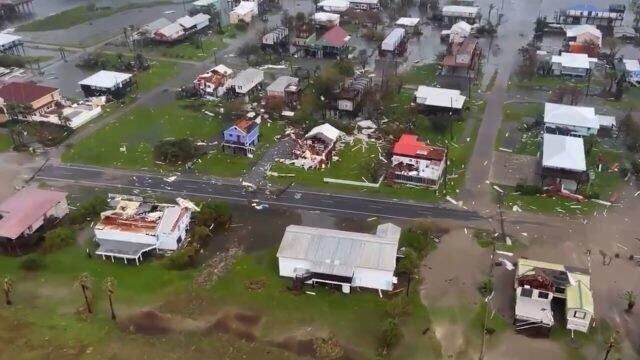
x: 8, y: 289
x: 84, y: 282
x: 108, y: 285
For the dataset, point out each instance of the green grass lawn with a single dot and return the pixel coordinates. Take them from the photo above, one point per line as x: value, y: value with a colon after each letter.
x: 547, y: 82
x: 79, y: 15
x: 5, y: 143
x: 159, y: 72
x: 530, y: 144
x: 421, y: 75
x: 518, y: 112
x: 142, y: 127
x: 354, y: 319
x: 191, y: 50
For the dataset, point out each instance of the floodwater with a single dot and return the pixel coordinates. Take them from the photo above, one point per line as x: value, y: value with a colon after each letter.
x: 103, y: 29
x: 256, y: 230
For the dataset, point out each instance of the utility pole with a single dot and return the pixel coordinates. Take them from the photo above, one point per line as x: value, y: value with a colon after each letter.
x: 500, y: 203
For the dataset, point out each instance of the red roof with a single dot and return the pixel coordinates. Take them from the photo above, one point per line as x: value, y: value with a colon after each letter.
x: 25, y: 208
x: 24, y: 92
x: 336, y: 37
x: 408, y: 145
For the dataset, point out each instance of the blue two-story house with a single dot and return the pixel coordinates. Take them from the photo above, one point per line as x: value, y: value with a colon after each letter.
x: 242, y: 136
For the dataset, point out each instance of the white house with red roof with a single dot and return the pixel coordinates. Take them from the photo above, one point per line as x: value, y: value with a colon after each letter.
x: 414, y: 162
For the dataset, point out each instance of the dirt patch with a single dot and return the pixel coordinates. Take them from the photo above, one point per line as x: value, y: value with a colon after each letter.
x: 241, y: 325
x: 149, y: 322
x: 255, y: 285
x: 300, y: 347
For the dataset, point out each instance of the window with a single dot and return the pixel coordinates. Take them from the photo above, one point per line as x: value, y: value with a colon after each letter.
x: 580, y: 315
x: 526, y: 292
x: 543, y: 295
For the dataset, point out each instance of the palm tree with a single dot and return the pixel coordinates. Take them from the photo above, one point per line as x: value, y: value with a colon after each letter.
x: 630, y: 298
x: 8, y: 289
x: 84, y: 282
x: 108, y: 285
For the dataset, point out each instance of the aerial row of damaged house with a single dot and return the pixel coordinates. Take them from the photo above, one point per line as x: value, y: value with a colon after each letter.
x: 133, y: 229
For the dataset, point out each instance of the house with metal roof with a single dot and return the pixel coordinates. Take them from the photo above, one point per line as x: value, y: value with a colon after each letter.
x: 612, y: 16
x: 451, y: 14
x: 538, y: 283
x: 11, y: 45
x: 287, y: 88
x: 24, y: 212
x: 135, y: 227
x: 107, y: 83
x: 573, y: 65
x: 433, y: 99
x: 311, y: 255
x: 247, y: 81
x: 395, y: 43
x: 335, y: 6
x: 563, y: 162
x: 182, y: 28
x: 570, y: 120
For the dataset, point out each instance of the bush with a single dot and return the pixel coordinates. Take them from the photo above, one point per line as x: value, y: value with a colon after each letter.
x: 57, y: 239
x: 529, y: 190
x: 33, y: 262
x: 635, y: 167
x: 398, y: 307
x: 390, y: 336
x: 441, y: 123
x: 416, y: 240
x: 486, y: 287
x: 200, y: 235
x: 409, y: 263
x: 216, y: 213
x: 176, y: 151
x: 182, y: 259
x: 88, y: 210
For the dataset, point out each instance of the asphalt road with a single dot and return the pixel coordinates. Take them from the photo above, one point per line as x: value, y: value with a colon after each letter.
x: 140, y: 183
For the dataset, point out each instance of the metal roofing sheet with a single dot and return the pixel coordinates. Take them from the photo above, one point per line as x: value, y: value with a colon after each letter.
x: 340, y: 252
x: 563, y: 152
x: 568, y: 115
